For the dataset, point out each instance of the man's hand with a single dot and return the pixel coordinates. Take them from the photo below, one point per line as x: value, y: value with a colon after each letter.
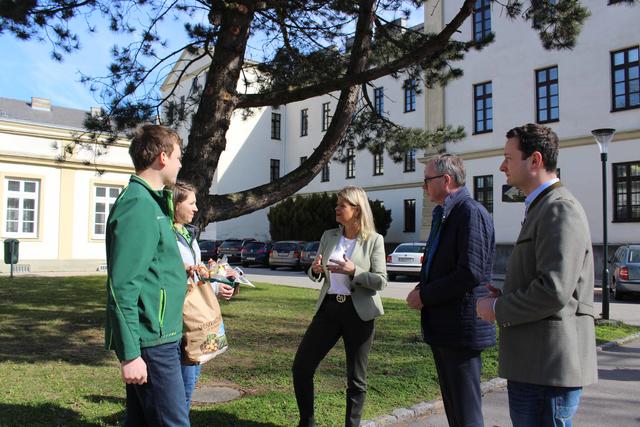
x: 316, y: 267
x: 346, y: 266
x: 225, y: 291
x: 484, y: 308
x: 134, y: 371
x: 413, y: 299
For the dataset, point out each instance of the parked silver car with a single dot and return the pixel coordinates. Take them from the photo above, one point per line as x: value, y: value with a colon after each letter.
x: 406, y: 259
x: 625, y: 271
x: 285, y: 253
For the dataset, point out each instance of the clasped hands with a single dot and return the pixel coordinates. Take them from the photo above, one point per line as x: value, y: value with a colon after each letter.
x: 344, y: 266
x: 485, y: 306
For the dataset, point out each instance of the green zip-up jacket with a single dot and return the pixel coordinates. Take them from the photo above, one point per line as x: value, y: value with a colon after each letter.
x: 146, y: 284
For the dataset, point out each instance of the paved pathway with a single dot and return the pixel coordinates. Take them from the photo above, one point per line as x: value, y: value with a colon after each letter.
x: 614, y: 401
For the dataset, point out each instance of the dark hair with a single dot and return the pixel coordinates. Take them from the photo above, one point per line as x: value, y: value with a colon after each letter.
x: 149, y: 141
x: 181, y: 191
x: 533, y: 137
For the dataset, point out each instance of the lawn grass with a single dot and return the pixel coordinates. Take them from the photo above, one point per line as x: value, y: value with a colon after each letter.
x: 54, y: 370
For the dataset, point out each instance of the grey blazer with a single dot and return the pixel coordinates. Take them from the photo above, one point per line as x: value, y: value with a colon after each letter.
x: 545, y: 315
x: 370, y: 275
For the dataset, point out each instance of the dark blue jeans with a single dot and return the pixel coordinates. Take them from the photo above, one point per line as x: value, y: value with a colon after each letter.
x: 161, y: 401
x: 190, y: 375
x: 533, y: 405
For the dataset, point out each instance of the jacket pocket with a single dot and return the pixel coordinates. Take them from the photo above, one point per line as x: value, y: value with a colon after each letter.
x: 162, y: 308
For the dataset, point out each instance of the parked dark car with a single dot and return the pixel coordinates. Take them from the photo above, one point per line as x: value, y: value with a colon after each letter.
x: 285, y: 253
x: 209, y: 249
x: 308, y: 254
x: 232, y: 248
x: 406, y: 259
x: 625, y: 271
x: 256, y: 253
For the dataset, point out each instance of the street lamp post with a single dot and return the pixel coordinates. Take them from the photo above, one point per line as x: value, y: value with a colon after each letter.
x: 603, y: 137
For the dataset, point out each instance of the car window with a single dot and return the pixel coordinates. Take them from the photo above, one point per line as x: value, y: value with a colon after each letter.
x: 410, y: 247
x: 231, y: 244
x: 313, y: 246
x: 254, y: 246
x: 283, y: 247
x: 207, y: 244
x: 634, y: 256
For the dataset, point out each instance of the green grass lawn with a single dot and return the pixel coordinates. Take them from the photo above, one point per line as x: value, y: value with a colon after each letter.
x: 54, y: 371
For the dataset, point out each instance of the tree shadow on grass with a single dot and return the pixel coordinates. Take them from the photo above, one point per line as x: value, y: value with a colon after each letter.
x: 47, y: 414
x: 52, y: 319
x: 210, y: 416
x: 219, y: 418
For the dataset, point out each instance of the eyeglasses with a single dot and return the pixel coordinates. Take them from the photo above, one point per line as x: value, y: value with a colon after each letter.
x: 427, y: 179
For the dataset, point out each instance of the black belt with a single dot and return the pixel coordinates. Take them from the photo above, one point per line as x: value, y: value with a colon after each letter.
x: 339, y: 297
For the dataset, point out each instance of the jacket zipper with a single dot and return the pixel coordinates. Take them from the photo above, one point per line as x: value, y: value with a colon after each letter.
x: 163, y: 304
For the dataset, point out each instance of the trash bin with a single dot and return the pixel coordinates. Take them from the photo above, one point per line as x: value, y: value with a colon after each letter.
x: 11, y: 249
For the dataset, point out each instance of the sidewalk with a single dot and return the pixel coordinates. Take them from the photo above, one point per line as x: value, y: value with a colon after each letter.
x: 610, y: 402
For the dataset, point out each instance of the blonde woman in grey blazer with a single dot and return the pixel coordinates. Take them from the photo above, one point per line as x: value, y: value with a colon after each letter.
x: 351, y: 263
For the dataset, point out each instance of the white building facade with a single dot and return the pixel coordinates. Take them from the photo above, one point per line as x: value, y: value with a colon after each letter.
x: 515, y: 81
x: 273, y: 141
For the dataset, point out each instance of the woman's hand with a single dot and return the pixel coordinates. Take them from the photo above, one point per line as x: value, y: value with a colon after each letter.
x: 225, y: 291
x: 316, y: 266
x: 342, y: 267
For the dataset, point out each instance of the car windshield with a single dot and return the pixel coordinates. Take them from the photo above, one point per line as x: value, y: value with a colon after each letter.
x: 254, y: 246
x: 207, y: 244
x: 410, y: 247
x: 634, y: 256
x: 285, y: 247
x: 231, y: 244
x: 313, y: 246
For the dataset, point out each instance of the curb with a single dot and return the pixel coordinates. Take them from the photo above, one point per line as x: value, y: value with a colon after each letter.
x: 618, y: 342
x: 428, y: 408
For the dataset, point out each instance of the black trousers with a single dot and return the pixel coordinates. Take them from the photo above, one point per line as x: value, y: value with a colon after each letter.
x: 332, y: 321
x: 459, y: 376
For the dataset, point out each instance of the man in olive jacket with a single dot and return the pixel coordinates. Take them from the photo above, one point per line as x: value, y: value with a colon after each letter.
x: 146, y: 284
x: 545, y: 313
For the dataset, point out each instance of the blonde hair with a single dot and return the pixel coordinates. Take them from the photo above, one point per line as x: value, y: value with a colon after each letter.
x: 356, y: 196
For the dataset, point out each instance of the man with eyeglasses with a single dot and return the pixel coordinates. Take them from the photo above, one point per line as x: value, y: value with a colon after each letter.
x: 545, y: 312
x: 457, y: 264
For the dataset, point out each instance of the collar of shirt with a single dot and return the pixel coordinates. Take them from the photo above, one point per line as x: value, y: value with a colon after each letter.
x: 535, y: 193
x: 453, y: 199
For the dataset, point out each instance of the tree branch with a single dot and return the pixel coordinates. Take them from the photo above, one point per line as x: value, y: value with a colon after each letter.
x: 221, y: 207
x: 428, y: 49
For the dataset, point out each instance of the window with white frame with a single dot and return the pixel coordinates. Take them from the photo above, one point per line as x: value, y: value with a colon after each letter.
x: 104, y: 198
x: 21, y: 207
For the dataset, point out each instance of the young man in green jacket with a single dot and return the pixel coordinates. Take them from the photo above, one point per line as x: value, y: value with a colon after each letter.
x: 146, y: 284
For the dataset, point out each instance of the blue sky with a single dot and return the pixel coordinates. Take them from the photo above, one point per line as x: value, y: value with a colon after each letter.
x: 27, y: 69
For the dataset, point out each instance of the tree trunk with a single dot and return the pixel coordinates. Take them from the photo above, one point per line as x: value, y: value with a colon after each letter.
x: 207, y: 136
x: 210, y: 140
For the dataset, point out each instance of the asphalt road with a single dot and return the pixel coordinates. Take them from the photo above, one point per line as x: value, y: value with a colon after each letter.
x: 285, y: 276
x: 627, y: 311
